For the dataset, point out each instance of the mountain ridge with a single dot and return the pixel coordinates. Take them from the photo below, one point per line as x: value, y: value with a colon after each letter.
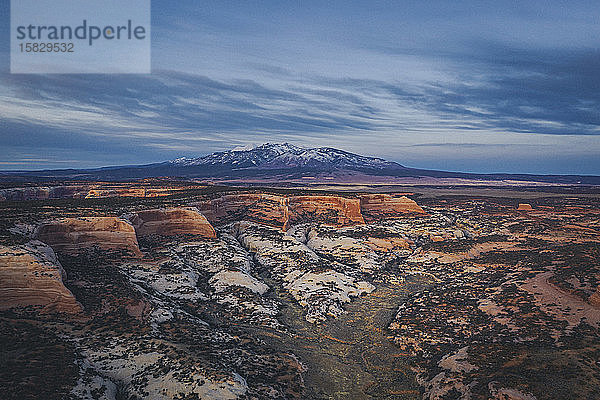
x: 280, y: 162
x: 285, y: 155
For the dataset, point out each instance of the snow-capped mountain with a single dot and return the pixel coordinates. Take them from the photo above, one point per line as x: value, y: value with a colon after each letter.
x: 280, y: 162
x: 285, y: 155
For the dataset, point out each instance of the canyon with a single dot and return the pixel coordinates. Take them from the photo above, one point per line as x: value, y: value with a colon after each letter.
x: 31, y: 276
x: 171, y: 221
x: 242, y: 293
x: 284, y: 211
x: 73, y: 235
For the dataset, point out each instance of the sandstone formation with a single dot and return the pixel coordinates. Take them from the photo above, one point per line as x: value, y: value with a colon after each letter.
x: 131, y: 191
x: 101, y: 193
x: 387, y: 244
x: 172, y: 221
x: 30, y: 275
x: 72, y: 235
x: 379, y: 206
x: 331, y: 210
x: 524, y: 207
x: 320, y: 286
x: 281, y: 211
x: 88, y: 190
x: 42, y: 193
x: 268, y: 209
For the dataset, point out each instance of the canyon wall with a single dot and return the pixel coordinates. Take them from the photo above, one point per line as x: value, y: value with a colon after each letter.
x: 331, y: 210
x: 281, y: 211
x: 380, y: 206
x: 72, y: 235
x: 30, y: 275
x: 263, y: 208
x: 171, y: 221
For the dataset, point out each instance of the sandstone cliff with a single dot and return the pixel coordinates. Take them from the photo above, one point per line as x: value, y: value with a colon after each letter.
x: 258, y: 207
x: 377, y: 206
x: 331, y: 210
x: 172, y: 221
x: 72, y: 235
x: 524, y: 207
x: 281, y: 211
x: 30, y: 275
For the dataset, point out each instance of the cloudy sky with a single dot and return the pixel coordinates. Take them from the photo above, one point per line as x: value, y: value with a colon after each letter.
x: 481, y: 86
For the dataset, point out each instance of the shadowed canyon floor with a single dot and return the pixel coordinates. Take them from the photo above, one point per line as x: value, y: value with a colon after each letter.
x: 352, y: 356
x: 295, y: 294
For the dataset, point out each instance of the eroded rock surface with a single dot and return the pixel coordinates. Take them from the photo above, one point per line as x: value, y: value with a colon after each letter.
x: 258, y: 207
x: 171, y: 221
x: 381, y: 206
x: 319, y: 285
x: 281, y: 211
x: 524, y: 207
x: 30, y: 275
x: 74, y: 235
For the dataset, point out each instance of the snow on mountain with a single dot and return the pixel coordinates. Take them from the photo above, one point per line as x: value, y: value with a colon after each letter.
x: 242, y: 158
x: 285, y: 155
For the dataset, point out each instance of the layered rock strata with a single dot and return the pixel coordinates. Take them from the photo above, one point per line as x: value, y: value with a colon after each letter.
x: 281, y: 211
x: 171, y: 221
x: 381, y: 206
x: 30, y: 275
x: 74, y: 235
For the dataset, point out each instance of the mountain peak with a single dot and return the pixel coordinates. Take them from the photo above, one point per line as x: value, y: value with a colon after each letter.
x: 286, y: 155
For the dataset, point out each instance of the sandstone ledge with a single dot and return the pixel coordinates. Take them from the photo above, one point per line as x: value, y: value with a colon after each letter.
x: 171, y: 221
x: 30, y: 275
x: 72, y: 235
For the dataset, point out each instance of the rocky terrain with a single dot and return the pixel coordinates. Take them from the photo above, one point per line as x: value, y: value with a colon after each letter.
x: 222, y: 294
x: 91, y: 190
x: 270, y: 163
x: 284, y: 211
x: 171, y: 222
x: 33, y: 277
x: 71, y: 235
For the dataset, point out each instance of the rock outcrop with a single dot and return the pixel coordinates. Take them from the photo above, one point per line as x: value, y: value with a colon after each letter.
x: 104, y: 191
x: 91, y: 190
x: 30, y: 275
x: 331, y: 210
x: 379, y: 206
x: 72, y: 235
x: 524, y: 207
x: 281, y: 211
x: 171, y: 221
x: 263, y: 208
x: 320, y: 286
x: 42, y: 193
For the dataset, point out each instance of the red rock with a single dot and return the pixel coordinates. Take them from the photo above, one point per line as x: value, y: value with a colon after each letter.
x: 524, y: 207
x: 71, y: 235
x: 172, y: 221
x: 280, y: 211
x: 257, y: 207
x: 30, y: 275
x: 332, y: 210
x: 380, y: 206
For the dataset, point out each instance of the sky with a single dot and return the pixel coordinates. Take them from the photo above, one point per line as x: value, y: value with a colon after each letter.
x: 474, y: 86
